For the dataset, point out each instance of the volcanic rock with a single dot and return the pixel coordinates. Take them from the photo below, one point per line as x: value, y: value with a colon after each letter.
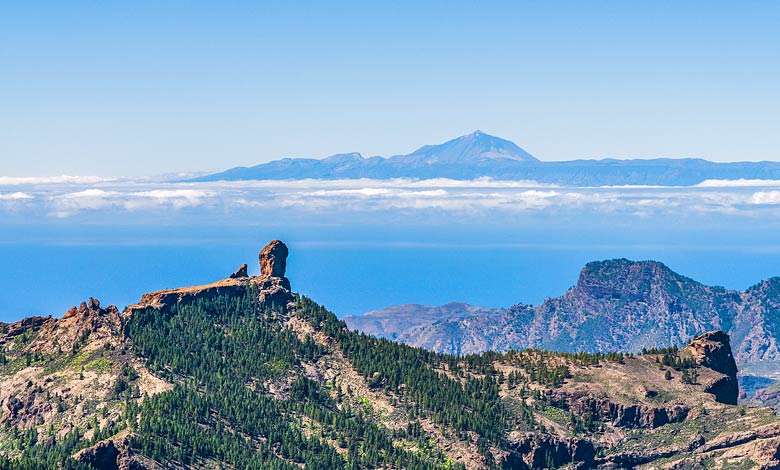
x: 273, y: 259
x: 713, y: 350
x: 241, y: 272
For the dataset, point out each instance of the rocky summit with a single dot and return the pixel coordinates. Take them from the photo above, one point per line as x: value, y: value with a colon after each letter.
x: 273, y: 259
x: 616, y: 305
x: 244, y: 374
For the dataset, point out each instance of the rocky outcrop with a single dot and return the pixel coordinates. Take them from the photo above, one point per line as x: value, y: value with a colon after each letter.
x: 240, y: 273
x: 633, y: 415
x: 170, y: 297
x: 547, y: 451
x: 110, y: 455
x: 272, y: 287
x: 11, y: 330
x: 273, y: 259
x: 101, y: 456
x: 713, y: 350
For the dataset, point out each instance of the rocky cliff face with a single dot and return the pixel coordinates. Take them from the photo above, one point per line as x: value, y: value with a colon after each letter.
x: 713, y: 350
x: 273, y: 259
x: 272, y: 284
x: 616, y: 305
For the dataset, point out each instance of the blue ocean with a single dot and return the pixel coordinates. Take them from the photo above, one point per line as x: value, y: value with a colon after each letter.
x: 47, y: 269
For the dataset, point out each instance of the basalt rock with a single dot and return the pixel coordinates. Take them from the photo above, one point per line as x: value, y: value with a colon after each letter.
x: 713, y: 350
x: 273, y: 259
x: 110, y: 455
x: 273, y: 288
x: 24, y: 325
x: 548, y: 451
x: 620, y: 415
x: 102, y: 456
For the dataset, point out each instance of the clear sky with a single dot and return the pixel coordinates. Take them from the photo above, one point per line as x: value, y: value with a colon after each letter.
x: 133, y: 88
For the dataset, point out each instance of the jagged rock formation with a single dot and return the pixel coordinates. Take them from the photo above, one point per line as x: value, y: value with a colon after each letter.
x: 63, y: 372
x: 545, y: 451
x: 618, y: 414
x: 273, y: 259
x: 271, y: 284
x: 268, y: 380
x: 713, y: 350
x: 240, y: 273
x: 101, y: 456
x: 112, y: 454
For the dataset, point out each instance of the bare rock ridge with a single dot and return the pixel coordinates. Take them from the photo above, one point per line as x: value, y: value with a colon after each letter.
x: 713, y: 350
x: 273, y: 287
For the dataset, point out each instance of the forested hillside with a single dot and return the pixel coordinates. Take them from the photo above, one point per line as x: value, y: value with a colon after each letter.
x: 244, y: 374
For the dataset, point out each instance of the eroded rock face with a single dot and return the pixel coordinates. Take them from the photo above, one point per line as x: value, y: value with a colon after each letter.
x: 110, y: 455
x: 542, y: 451
x: 273, y: 259
x: 621, y: 415
x: 240, y: 273
x: 713, y: 350
x: 102, y: 455
x: 273, y: 288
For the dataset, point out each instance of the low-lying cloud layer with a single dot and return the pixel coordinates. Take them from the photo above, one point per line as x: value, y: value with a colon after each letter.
x: 69, y: 197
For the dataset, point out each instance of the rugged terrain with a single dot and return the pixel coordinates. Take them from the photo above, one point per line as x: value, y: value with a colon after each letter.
x: 242, y: 373
x: 617, y: 305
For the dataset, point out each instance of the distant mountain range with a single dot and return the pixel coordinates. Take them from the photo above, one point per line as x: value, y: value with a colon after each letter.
x: 617, y: 305
x: 481, y: 155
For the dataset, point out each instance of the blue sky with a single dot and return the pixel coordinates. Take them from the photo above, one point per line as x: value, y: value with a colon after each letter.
x: 133, y: 88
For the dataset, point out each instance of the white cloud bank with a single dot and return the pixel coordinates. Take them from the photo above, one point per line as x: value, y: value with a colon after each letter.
x: 64, y: 197
x: 17, y: 196
x: 69, y: 204
x: 48, y: 180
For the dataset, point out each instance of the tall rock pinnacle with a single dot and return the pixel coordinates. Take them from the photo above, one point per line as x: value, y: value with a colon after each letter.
x: 713, y: 350
x: 273, y: 259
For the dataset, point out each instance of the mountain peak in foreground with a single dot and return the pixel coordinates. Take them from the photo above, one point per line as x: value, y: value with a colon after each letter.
x: 242, y: 373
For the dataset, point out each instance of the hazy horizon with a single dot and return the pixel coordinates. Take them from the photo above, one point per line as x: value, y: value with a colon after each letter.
x: 186, y: 172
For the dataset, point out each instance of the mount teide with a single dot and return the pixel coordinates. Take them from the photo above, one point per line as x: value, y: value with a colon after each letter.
x: 479, y: 154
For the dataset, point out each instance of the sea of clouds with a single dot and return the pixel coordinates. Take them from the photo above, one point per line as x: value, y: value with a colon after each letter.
x: 113, y: 199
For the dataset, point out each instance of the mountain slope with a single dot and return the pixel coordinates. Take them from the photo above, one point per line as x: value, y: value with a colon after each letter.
x: 616, y: 305
x: 242, y: 373
x: 388, y: 322
x: 481, y: 155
